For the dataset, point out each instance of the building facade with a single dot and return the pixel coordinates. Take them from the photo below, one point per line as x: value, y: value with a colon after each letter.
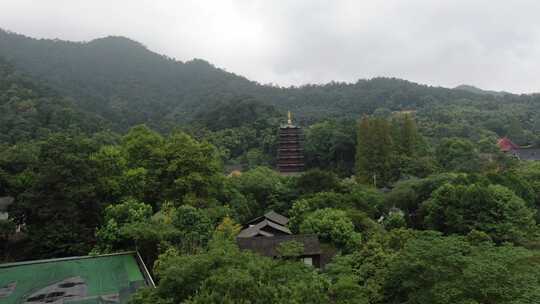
x: 521, y: 153
x: 268, y: 234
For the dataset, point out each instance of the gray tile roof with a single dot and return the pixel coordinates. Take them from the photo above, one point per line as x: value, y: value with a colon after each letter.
x: 272, y: 216
x: 276, y: 217
x: 267, y: 246
x: 258, y: 229
x: 528, y: 153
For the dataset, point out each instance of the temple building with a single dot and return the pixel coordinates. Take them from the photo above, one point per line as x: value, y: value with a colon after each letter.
x: 266, y: 235
x: 270, y: 224
x: 521, y: 153
x: 290, y: 153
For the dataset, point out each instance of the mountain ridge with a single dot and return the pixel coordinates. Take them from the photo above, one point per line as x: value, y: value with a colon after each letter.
x: 120, y: 40
x: 126, y: 83
x: 473, y: 89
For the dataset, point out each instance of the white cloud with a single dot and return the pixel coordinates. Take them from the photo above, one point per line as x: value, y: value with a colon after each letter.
x: 491, y: 44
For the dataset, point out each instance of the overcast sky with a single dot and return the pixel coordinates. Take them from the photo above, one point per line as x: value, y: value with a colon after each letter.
x: 492, y: 44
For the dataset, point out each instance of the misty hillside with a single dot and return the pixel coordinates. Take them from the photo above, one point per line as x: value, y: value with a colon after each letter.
x: 31, y: 110
x: 473, y: 89
x: 119, y: 78
x: 127, y: 84
x: 131, y: 177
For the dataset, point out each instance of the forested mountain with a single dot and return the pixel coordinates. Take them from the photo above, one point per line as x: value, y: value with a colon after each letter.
x: 122, y: 80
x: 476, y: 90
x: 31, y: 110
x: 128, y: 84
x: 125, y: 84
x: 404, y: 182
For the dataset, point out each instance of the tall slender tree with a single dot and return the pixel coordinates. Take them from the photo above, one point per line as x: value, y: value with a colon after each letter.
x: 407, y: 135
x: 374, y: 153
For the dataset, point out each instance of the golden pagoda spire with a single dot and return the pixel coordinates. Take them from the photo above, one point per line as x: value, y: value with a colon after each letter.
x: 289, y: 118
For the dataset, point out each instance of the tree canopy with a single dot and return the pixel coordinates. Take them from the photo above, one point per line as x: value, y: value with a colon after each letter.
x: 106, y: 146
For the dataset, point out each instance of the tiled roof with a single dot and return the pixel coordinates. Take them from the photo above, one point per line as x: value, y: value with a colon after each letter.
x: 267, y: 246
x: 505, y: 144
x: 258, y: 229
x: 276, y: 217
x: 272, y: 216
x: 528, y: 153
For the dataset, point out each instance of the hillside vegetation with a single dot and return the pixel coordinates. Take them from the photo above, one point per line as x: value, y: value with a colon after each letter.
x: 107, y: 147
x: 128, y: 84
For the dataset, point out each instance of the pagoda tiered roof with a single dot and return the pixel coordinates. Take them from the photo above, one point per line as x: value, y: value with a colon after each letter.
x: 290, y: 152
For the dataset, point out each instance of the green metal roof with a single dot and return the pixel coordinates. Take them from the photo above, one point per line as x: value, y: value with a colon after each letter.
x: 80, y: 280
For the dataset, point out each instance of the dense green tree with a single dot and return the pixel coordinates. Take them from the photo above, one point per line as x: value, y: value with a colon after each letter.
x: 303, y: 207
x: 143, y: 150
x: 256, y: 158
x: 394, y: 219
x: 518, y: 184
x: 113, y: 174
x: 265, y: 186
x: 317, y: 180
x: 420, y: 166
x: 331, y: 144
x: 152, y: 168
x: 239, y: 112
x: 129, y: 225
x: 62, y: 208
x: 515, y: 131
x: 435, y: 269
x: 493, y: 209
x: 227, y: 229
x: 192, y: 168
x: 459, y: 155
x: 408, y: 195
x: 390, y: 149
x: 243, y: 208
x: 431, y: 153
x: 333, y: 226
x: 16, y: 163
x: 405, y: 135
x: 194, y: 228
x: 224, y: 274
x: 132, y: 225
x: 143, y: 147
x: 29, y: 110
x: 244, y: 131
x: 374, y: 159
x: 360, y: 204
x: 368, y: 267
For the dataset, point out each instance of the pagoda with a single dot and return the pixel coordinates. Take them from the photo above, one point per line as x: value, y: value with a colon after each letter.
x: 290, y: 153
